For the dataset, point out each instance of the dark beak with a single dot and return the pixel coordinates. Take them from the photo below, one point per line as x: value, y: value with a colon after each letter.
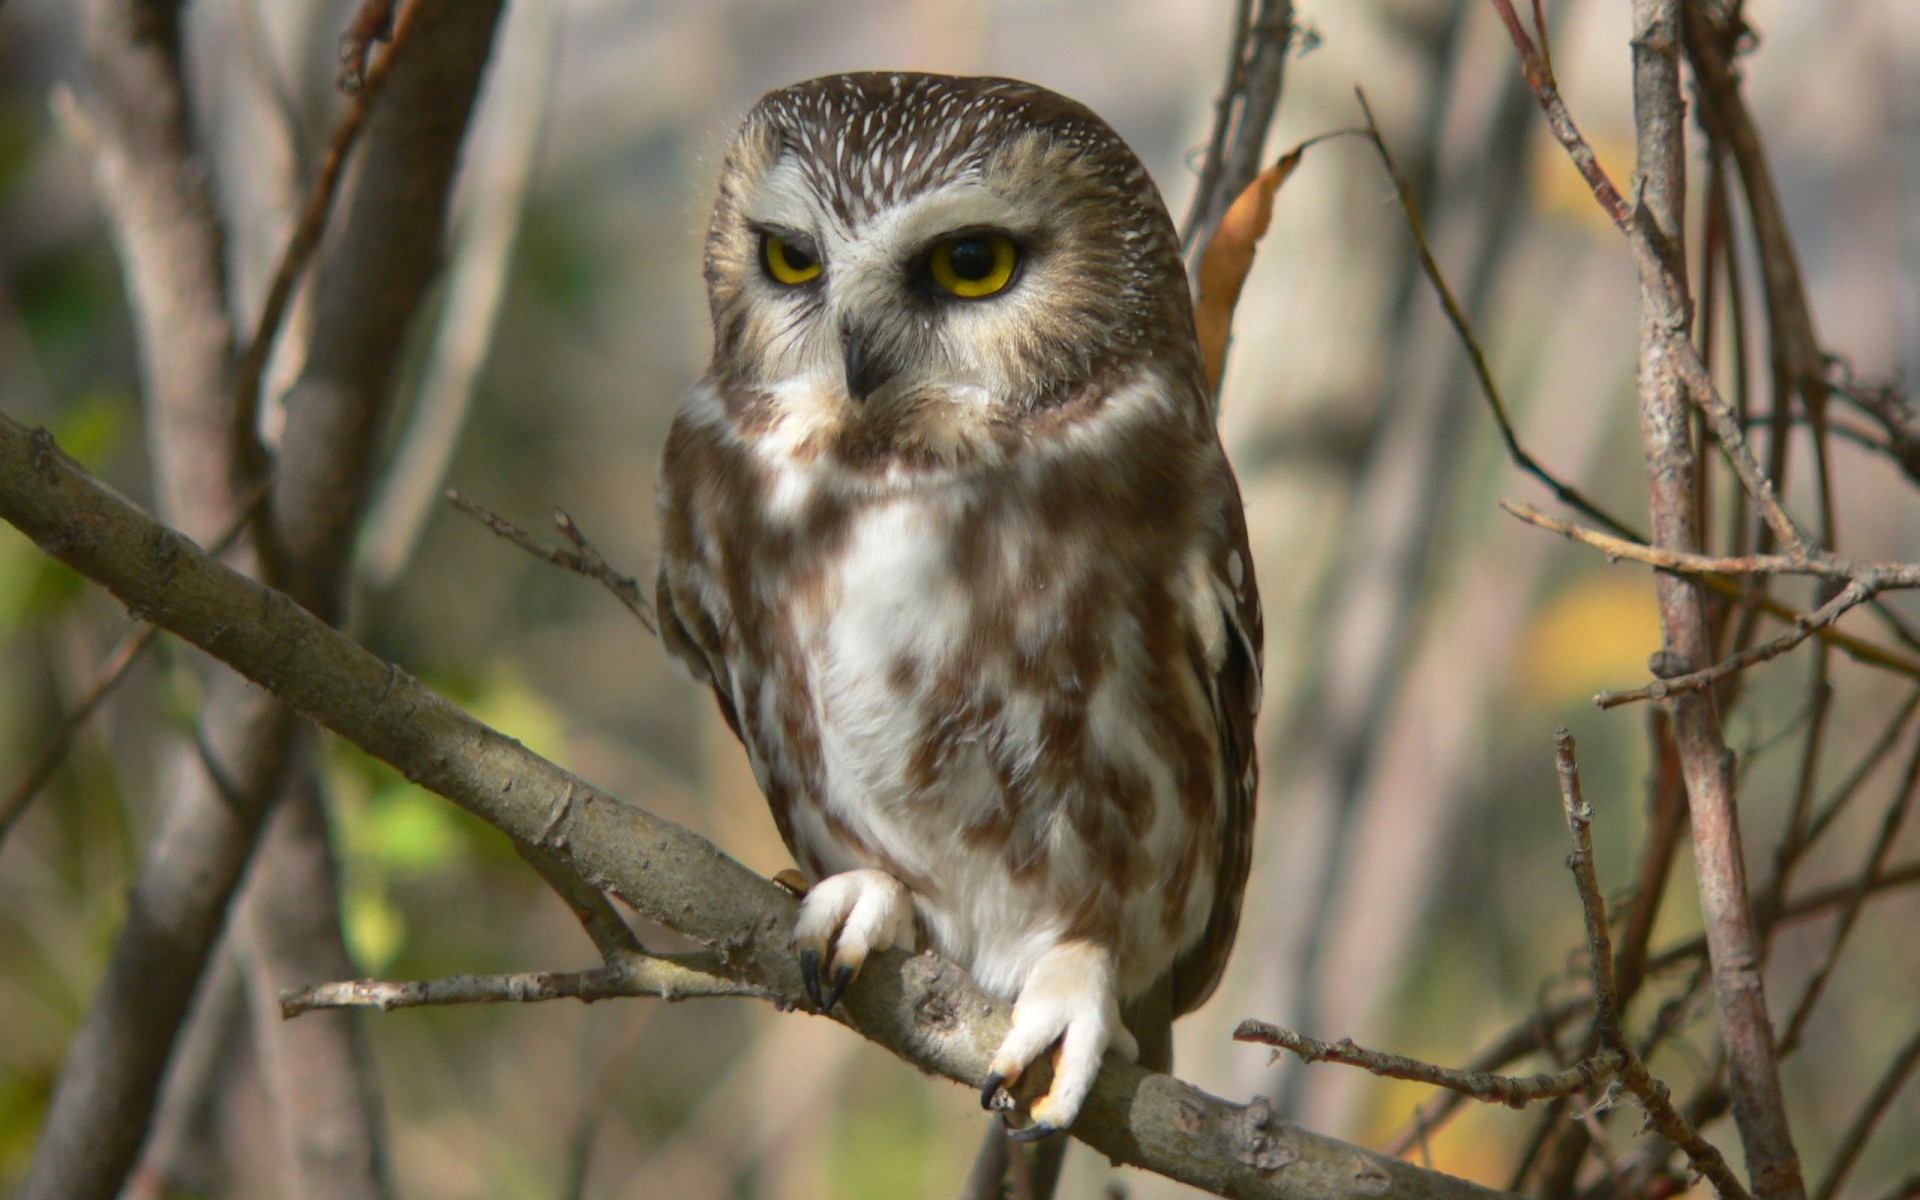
x: 868, y: 369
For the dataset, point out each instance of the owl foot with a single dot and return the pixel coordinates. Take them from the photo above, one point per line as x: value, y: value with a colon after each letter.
x: 1068, y: 1003
x: 868, y: 910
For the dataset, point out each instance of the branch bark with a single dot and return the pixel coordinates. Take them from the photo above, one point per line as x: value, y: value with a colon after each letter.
x: 920, y: 1007
x: 1706, y: 762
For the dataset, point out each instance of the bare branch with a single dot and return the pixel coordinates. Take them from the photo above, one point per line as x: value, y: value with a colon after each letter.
x: 583, y: 559
x: 1879, y: 575
x: 1248, y: 101
x: 1686, y: 682
x: 1515, y: 1091
x: 1670, y: 373
x: 682, y: 977
x: 1633, y: 1074
x: 1563, y: 491
x: 921, y: 1008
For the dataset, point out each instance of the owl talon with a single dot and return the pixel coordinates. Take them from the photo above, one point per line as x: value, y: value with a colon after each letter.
x: 1033, y: 1132
x: 990, y: 1091
x: 843, y: 919
x: 810, y: 977
x: 842, y: 976
x: 1067, y: 1004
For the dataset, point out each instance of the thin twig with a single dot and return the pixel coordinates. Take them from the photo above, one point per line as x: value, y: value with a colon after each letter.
x: 1540, y: 80
x: 583, y: 559
x: 1515, y: 1091
x: 115, y: 669
x: 1652, y: 1094
x: 250, y: 369
x: 1869, y: 763
x: 1883, y: 576
x: 1857, y: 648
x: 1565, y: 492
x: 667, y: 978
x: 1890, y: 826
x: 1661, y: 689
x: 118, y: 663
x: 1657, y: 271
x: 372, y: 23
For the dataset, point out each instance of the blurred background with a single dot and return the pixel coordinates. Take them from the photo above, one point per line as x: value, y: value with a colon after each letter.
x: 1408, y: 888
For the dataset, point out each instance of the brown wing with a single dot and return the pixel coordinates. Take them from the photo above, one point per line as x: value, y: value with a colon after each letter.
x: 682, y: 644
x: 687, y: 629
x: 1234, y: 691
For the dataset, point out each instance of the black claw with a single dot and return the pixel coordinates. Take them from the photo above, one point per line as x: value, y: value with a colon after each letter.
x: 988, y: 1089
x: 1032, y: 1133
x: 810, y: 976
x: 842, y: 976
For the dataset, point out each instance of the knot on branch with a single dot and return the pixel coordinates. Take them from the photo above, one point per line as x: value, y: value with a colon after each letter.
x: 1261, y: 1140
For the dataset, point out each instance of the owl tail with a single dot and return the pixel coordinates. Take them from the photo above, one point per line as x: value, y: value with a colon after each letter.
x: 1034, y: 1171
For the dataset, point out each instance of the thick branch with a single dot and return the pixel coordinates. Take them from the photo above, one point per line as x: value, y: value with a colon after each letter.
x: 919, y: 1007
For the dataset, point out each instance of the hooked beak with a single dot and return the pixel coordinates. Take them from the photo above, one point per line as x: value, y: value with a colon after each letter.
x: 869, y: 368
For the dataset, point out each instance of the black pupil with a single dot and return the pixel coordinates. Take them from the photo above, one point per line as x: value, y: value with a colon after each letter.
x: 796, y: 258
x: 971, y: 259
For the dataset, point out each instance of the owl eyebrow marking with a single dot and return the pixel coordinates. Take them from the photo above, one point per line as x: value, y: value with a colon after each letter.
x: 786, y: 233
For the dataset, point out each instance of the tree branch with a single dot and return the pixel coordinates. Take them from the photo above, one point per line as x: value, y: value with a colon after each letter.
x: 1514, y: 1091
x: 920, y: 1007
x: 1670, y: 373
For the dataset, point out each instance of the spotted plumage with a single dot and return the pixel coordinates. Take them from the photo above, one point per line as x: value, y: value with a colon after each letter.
x: 956, y: 547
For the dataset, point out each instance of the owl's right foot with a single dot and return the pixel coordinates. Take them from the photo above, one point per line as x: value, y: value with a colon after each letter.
x: 1068, y: 1003
x: 843, y: 919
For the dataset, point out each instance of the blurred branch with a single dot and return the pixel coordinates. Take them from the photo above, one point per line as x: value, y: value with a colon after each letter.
x: 157, y: 197
x: 920, y: 1007
x: 1565, y: 492
x: 1795, y: 359
x: 372, y: 22
x: 1245, y: 108
x: 582, y: 560
x: 386, y: 254
x: 1890, y: 826
x: 1515, y: 1091
x: 512, y: 119
x: 155, y: 190
x: 294, y: 260
x: 118, y: 663
x: 1878, y: 1101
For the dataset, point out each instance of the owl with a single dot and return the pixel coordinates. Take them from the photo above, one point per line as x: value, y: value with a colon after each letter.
x: 949, y: 532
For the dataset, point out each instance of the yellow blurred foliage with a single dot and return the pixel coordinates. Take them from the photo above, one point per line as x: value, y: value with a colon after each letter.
x: 1596, y: 634
x: 1560, y: 191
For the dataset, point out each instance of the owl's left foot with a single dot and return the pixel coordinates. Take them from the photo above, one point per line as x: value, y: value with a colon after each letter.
x: 1068, y: 998
x: 868, y: 910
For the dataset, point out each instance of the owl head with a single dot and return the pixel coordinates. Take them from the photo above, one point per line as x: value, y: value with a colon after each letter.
x: 908, y: 254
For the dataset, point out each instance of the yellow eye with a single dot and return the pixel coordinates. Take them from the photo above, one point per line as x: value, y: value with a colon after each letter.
x: 787, y: 263
x: 974, y: 265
